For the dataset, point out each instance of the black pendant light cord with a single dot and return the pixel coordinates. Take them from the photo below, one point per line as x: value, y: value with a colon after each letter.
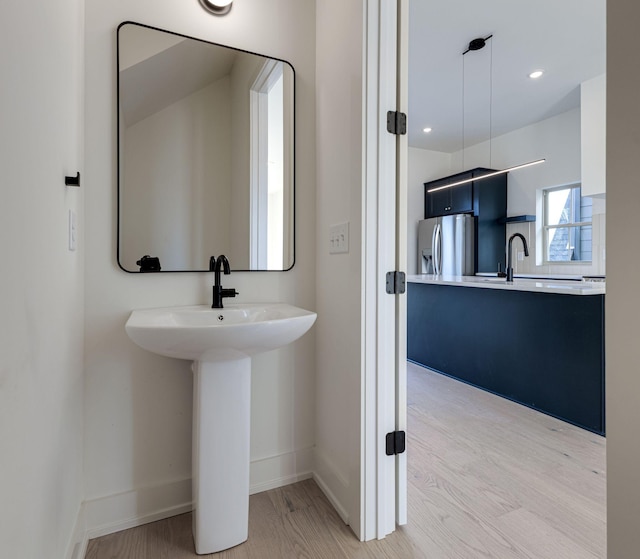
x: 477, y: 44
x: 463, y: 109
x: 490, y: 103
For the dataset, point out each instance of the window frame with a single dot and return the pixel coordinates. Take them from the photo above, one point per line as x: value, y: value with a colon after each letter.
x: 546, y: 228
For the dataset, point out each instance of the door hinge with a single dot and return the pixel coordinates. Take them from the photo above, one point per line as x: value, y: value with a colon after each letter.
x: 396, y: 283
x: 396, y: 443
x: 396, y: 122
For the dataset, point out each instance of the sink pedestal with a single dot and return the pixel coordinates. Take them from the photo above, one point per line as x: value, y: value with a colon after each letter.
x: 221, y: 444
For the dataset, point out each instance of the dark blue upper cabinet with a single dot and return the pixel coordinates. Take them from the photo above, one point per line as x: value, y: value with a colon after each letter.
x: 454, y: 200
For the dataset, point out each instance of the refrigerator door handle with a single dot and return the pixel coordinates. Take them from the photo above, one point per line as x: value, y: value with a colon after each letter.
x: 440, y: 255
x: 437, y: 249
x: 434, y: 254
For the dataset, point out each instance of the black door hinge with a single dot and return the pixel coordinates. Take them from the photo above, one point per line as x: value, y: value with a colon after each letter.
x: 396, y: 443
x: 396, y: 122
x: 396, y: 283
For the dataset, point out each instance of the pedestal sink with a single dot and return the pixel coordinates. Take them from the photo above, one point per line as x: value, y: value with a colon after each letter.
x: 221, y: 343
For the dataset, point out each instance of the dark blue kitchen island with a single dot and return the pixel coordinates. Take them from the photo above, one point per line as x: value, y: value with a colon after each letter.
x: 539, y: 343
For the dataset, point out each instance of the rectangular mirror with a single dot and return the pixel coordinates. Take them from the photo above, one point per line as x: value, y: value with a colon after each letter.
x: 205, y: 154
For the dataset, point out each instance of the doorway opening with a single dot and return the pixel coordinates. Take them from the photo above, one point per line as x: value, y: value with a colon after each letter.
x: 439, y: 148
x: 267, y: 168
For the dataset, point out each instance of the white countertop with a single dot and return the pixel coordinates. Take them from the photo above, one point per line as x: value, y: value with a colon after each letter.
x: 566, y: 287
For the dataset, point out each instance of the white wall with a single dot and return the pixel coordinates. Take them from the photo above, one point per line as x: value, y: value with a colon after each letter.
x: 339, y: 81
x: 138, y: 405
x: 593, y: 132
x: 424, y: 165
x: 558, y: 140
x: 41, y: 294
x: 623, y: 270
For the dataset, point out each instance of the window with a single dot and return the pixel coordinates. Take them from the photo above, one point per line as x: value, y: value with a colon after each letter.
x: 567, y: 225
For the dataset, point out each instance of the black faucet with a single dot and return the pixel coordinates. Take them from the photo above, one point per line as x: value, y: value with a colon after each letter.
x: 509, y: 261
x: 215, y: 265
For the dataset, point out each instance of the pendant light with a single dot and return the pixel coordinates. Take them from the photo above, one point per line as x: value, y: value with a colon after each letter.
x: 478, y: 44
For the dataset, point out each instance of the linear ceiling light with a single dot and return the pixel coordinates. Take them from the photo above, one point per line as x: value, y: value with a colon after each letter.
x: 465, y: 181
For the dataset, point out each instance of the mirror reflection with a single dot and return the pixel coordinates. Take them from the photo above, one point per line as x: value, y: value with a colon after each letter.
x: 205, y: 154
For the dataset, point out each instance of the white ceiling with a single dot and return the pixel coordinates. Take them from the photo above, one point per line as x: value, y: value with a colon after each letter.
x: 566, y: 38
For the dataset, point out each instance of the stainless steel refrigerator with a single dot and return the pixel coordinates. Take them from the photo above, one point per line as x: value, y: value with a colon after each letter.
x: 446, y: 245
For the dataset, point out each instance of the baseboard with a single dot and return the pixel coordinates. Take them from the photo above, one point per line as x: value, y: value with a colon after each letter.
x: 281, y: 469
x: 126, y: 510
x: 113, y: 513
x: 331, y: 482
x: 77, y: 545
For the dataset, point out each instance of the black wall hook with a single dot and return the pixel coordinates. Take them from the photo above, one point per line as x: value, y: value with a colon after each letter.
x: 72, y: 181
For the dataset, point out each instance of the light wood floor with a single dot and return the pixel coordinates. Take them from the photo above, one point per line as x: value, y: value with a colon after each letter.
x: 487, y: 479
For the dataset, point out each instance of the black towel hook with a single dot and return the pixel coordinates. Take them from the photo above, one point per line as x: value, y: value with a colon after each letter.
x: 72, y: 181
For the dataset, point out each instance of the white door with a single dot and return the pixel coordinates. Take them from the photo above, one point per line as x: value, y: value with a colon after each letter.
x: 385, y: 476
x: 402, y: 149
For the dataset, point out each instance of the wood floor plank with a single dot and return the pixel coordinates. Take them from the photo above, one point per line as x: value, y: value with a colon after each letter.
x: 268, y: 535
x: 128, y: 544
x: 541, y: 539
x: 488, y: 479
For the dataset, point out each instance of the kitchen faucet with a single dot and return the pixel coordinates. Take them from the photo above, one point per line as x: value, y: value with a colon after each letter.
x: 509, y: 256
x: 215, y: 265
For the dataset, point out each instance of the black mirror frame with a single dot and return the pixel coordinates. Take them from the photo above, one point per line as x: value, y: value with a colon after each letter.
x: 118, y: 155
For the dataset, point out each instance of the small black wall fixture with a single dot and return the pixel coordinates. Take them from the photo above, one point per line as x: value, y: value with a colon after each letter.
x: 149, y: 264
x: 72, y: 181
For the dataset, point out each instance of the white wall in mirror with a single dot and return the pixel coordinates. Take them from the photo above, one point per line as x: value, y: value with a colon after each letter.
x: 197, y: 154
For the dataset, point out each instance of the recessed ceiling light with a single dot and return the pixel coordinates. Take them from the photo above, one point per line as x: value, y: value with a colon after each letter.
x: 426, y: 130
x: 536, y: 74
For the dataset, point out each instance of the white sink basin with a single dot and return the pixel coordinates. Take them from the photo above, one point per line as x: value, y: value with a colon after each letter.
x: 221, y: 342
x: 200, y: 333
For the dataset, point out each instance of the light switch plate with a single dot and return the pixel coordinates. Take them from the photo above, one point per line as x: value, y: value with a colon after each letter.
x: 339, y: 238
x: 73, y: 231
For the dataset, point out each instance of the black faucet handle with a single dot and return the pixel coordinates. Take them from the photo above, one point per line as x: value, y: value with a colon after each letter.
x: 212, y: 263
x: 229, y: 292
